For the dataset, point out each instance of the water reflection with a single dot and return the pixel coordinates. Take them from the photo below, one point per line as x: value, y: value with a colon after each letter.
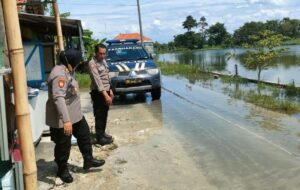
x: 286, y: 71
x: 268, y: 121
x: 265, y: 120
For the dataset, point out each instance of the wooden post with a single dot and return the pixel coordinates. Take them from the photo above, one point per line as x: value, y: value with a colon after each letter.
x: 58, y: 27
x: 236, y: 70
x: 16, y: 56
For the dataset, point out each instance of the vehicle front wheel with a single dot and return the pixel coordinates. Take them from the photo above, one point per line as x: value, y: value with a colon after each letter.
x: 156, y: 93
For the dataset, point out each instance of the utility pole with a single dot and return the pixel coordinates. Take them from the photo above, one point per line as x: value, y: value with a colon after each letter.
x: 140, y: 22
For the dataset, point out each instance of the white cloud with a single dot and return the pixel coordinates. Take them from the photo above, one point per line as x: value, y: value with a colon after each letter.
x: 242, y: 6
x: 275, y: 2
x: 83, y: 23
x: 157, y: 22
x: 255, y: 1
x: 275, y: 12
x: 279, y: 2
x: 163, y: 19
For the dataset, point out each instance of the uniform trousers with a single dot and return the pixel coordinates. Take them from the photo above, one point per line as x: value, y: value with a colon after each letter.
x: 100, y: 112
x: 63, y: 142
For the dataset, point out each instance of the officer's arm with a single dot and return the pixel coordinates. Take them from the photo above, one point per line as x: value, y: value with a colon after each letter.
x: 59, y: 91
x: 95, y: 76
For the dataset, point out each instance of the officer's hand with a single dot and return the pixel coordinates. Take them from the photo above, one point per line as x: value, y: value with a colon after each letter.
x: 111, y: 94
x: 68, y: 128
x: 108, y: 100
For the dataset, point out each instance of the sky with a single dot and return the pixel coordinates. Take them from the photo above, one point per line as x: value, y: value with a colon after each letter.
x: 162, y: 19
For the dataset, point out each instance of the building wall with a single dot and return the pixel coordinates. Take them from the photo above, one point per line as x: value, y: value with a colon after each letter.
x: 2, y: 41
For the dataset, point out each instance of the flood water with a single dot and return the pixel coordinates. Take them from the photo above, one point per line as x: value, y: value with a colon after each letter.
x: 237, y: 145
x: 286, y: 71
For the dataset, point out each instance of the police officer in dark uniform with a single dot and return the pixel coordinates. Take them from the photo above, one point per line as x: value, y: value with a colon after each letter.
x: 101, y: 93
x: 65, y: 117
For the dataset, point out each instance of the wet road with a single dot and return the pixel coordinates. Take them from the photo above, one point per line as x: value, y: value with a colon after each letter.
x: 194, y: 138
x: 235, y: 145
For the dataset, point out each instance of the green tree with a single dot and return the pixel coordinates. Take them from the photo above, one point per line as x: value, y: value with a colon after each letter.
x: 289, y: 27
x: 203, y: 24
x: 261, y: 54
x: 189, y: 23
x: 272, y: 25
x: 90, y: 43
x: 171, y: 46
x: 228, y: 41
x: 242, y: 35
x: 217, y: 34
x: 159, y: 48
x: 49, y: 8
x: 190, y: 40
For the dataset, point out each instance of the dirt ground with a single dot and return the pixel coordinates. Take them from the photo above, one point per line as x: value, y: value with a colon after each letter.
x: 145, y: 154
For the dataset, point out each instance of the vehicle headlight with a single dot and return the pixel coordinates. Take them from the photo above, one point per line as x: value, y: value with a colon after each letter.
x: 113, y: 74
x: 153, y: 71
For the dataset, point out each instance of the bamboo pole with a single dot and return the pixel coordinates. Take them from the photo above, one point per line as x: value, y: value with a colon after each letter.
x: 58, y: 26
x: 16, y: 56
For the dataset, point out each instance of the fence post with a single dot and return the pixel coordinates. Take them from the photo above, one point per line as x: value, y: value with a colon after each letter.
x: 236, y: 70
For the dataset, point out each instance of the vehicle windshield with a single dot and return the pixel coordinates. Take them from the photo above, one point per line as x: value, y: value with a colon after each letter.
x: 126, y: 53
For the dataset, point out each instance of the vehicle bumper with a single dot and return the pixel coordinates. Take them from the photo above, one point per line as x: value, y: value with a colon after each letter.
x: 147, y: 83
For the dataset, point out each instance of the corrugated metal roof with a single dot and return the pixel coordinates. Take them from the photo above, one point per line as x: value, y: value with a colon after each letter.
x: 47, y: 25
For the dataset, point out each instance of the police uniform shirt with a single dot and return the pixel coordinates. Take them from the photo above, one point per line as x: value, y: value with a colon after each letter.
x: 99, y: 75
x: 63, y: 103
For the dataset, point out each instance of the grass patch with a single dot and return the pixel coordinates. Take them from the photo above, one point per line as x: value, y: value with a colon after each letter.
x: 237, y: 94
x: 269, y: 102
x: 270, y: 98
x: 182, y: 49
x: 160, y: 51
x: 208, y: 47
x: 231, y: 79
x: 84, y: 80
x: 292, y: 91
x: 191, y: 72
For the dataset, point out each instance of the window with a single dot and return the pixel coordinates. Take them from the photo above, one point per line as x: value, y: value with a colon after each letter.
x: 126, y: 53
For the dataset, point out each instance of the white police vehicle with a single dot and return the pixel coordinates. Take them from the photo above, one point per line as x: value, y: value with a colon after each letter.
x: 132, y: 69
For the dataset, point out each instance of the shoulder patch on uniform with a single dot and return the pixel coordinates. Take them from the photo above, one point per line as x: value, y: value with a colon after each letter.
x: 61, y: 82
x: 93, y: 65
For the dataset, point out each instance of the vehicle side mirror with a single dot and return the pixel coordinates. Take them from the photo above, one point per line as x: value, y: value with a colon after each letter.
x: 150, y: 55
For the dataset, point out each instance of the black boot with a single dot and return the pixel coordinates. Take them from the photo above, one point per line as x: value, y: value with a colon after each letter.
x: 64, y: 174
x: 90, y: 162
x: 102, y: 140
x: 107, y: 136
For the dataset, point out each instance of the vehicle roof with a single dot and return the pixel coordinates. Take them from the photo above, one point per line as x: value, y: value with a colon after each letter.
x: 127, y: 42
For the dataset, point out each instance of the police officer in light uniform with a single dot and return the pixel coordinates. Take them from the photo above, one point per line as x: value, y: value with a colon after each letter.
x: 65, y: 117
x: 101, y: 93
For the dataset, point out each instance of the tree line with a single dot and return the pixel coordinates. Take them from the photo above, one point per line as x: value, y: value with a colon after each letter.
x: 199, y: 34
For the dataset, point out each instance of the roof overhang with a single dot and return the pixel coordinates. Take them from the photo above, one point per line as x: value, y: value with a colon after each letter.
x: 47, y: 25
